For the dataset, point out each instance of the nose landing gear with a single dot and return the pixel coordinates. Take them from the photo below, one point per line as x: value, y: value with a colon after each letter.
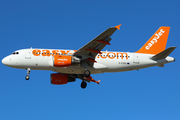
x: 28, y: 72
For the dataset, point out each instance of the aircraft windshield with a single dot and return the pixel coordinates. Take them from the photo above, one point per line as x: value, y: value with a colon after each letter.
x: 15, y: 53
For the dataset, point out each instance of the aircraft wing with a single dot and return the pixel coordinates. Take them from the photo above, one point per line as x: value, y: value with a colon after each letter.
x: 94, y: 47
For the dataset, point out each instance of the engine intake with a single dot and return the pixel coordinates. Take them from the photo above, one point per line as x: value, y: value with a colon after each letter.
x: 59, y: 79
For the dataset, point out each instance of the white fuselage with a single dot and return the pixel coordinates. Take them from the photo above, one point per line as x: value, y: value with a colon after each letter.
x: 108, y: 61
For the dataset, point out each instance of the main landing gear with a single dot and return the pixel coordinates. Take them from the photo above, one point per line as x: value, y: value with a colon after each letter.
x: 86, y: 77
x: 28, y: 72
x: 87, y: 73
x: 83, y: 84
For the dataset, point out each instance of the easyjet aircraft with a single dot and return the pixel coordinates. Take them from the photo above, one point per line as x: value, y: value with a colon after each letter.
x: 72, y: 64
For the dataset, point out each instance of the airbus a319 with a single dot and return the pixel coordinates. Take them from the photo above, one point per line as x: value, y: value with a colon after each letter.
x: 90, y: 59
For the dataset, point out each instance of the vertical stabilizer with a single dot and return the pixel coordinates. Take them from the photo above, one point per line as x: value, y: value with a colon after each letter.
x: 157, y: 43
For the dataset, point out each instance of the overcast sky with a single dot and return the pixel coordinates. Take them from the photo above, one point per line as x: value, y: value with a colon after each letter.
x: 148, y: 94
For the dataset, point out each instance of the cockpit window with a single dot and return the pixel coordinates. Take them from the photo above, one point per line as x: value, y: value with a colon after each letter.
x: 15, y: 53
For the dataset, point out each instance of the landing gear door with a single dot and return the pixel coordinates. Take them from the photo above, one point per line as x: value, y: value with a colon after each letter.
x: 136, y: 58
x: 28, y: 54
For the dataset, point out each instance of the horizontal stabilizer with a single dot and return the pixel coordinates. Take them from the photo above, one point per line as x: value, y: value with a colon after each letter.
x: 163, y: 54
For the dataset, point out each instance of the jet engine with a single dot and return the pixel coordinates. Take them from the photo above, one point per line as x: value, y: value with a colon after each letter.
x: 59, y: 79
x: 65, y: 61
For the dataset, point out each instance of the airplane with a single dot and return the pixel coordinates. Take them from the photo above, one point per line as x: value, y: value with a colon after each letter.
x: 89, y: 59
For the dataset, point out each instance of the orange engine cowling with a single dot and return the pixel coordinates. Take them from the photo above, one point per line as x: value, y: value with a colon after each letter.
x: 65, y: 61
x: 59, y: 79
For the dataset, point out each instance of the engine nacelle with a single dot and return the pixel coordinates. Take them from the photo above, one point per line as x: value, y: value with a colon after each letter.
x: 65, y: 61
x: 59, y: 79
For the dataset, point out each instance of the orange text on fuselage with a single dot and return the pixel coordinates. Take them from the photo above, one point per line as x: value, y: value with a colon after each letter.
x: 104, y: 55
x: 48, y: 53
x: 112, y: 55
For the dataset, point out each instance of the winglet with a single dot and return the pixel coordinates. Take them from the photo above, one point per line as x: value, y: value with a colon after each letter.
x: 118, y: 27
x: 91, y: 79
x: 98, y: 82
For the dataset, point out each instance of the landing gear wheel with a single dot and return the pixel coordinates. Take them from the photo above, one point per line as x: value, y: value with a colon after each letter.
x: 87, y: 73
x: 28, y: 72
x: 83, y: 85
x: 27, y: 77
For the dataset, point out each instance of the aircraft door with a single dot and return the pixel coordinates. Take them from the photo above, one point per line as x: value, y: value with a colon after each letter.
x: 136, y: 58
x: 28, y: 54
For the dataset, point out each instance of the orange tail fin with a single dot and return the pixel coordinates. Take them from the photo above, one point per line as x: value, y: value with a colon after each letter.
x: 157, y: 43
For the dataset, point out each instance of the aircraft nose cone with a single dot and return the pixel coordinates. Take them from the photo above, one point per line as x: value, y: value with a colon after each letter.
x: 5, y: 61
